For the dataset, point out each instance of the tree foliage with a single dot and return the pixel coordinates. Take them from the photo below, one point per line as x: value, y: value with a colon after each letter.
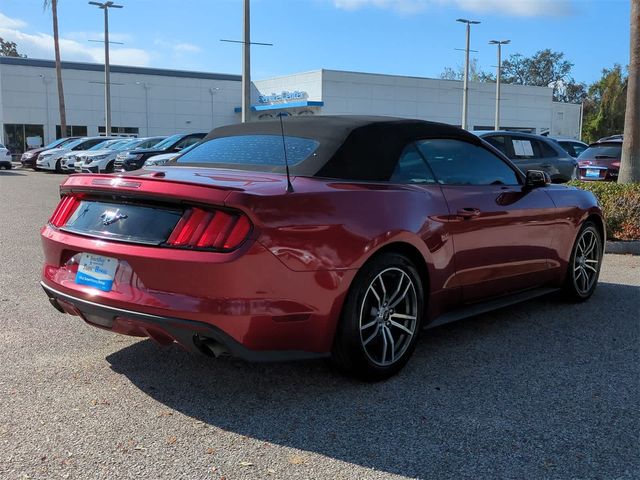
x: 545, y: 68
x: 9, y: 49
x: 604, y: 106
x: 476, y: 74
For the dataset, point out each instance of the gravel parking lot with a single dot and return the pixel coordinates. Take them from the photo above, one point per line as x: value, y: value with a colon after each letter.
x: 544, y: 389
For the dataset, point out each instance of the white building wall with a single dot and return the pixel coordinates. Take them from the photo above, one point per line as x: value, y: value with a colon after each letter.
x: 352, y: 93
x: 566, y: 120
x: 28, y: 95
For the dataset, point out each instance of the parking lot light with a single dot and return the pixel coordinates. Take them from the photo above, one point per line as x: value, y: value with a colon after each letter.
x: 465, y: 88
x: 107, y: 87
x: 499, y: 43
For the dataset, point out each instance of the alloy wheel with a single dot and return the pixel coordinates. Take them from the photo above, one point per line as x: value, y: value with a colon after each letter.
x: 586, y: 261
x: 388, y: 316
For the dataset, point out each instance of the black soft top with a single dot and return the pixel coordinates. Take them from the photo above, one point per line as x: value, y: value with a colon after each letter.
x: 350, y: 147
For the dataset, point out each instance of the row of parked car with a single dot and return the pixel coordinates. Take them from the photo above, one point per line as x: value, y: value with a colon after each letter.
x: 107, y: 154
x: 562, y: 159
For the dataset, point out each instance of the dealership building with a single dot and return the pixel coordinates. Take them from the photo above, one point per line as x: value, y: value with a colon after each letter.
x: 150, y: 101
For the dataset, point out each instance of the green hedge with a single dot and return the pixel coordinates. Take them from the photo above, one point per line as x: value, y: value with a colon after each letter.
x: 621, y: 207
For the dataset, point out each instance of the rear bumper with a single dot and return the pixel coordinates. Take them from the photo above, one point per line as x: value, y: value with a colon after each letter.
x: 249, y: 295
x: 191, y: 335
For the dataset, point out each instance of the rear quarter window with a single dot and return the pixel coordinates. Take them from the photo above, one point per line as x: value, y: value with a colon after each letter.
x: 605, y: 151
x: 254, y: 152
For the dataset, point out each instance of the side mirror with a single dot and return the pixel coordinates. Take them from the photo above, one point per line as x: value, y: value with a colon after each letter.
x: 537, y: 178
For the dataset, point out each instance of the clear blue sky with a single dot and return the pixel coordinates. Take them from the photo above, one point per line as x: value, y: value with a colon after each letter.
x: 404, y: 37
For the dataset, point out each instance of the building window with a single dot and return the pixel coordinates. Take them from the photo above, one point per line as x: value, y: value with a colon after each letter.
x: 72, y: 131
x: 120, y: 131
x: 19, y: 137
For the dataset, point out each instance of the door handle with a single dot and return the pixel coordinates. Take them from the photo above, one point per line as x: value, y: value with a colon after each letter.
x: 468, y: 212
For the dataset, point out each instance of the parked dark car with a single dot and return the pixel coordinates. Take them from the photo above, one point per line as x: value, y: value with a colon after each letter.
x: 534, y: 152
x: 30, y: 157
x: 383, y: 227
x: 175, y: 143
x: 601, y: 161
x: 571, y: 146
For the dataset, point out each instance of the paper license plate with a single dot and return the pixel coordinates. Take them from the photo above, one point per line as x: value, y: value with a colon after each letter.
x: 96, y: 271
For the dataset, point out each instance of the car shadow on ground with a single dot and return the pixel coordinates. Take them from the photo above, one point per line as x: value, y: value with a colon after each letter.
x: 11, y: 173
x: 535, y: 390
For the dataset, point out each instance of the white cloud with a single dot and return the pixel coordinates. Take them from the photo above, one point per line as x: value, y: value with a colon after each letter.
x: 179, y: 49
x: 522, y: 8
x: 186, y: 48
x: 40, y: 45
x: 6, y: 22
x: 86, y: 36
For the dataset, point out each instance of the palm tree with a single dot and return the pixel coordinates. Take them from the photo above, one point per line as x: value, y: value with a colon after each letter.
x: 56, y: 45
x: 630, y: 164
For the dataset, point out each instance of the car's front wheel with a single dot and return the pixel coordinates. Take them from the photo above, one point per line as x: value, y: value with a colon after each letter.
x: 381, y: 319
x: 585, y: 262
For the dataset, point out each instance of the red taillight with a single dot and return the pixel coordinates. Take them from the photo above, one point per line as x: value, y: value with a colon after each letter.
x: 216, y: 230
x: 64, y: 210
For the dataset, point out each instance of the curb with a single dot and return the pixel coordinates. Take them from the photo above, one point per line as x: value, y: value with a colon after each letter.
x: 631, y: 247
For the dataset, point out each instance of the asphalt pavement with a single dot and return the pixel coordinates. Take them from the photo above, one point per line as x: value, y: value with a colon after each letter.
x: 544, y: 389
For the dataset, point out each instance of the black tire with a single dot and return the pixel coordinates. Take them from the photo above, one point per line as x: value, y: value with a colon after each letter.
x: 59, y: 166
x: 361, y: 350
x: 584, y: 269
x: 109, y: 167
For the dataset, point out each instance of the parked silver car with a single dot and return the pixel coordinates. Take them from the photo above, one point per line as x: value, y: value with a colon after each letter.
x: 534, y: 152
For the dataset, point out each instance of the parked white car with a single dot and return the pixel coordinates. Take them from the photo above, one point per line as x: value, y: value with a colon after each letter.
x: 165, y: 157
x: 100, y: 159
x: 51, y: 159
x: 5, y: 157
x: 69, y: 159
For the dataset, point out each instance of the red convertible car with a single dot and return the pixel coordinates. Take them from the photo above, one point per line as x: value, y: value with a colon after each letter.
x: 317, y: 236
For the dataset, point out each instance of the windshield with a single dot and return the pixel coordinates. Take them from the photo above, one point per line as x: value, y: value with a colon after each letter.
x: 57, y: 143
x: 250, y: 152
x: 605, y: 151
x: 148, y: 143
x: 103, y: 145
x: 75, y: 143
x: 123, y: 144
x: 167, y: 142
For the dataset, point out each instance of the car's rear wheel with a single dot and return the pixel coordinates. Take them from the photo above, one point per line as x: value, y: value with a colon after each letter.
x: 585, y: 263
x: 381, y: 319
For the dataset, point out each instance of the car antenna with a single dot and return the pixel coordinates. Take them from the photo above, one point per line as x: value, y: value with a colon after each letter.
x: 284, y: 149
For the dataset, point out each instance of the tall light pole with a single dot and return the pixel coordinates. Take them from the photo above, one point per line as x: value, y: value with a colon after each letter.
x: 246, y: 61
x: 45, y: 140
x: 146, y: 87
x: 499, y: 43
x: 465, y: 88
x: 107, y: 87
x: 213, y: 91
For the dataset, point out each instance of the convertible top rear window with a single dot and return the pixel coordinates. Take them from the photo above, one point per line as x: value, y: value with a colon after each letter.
x: 251, y: 152
x: 341, y: 147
